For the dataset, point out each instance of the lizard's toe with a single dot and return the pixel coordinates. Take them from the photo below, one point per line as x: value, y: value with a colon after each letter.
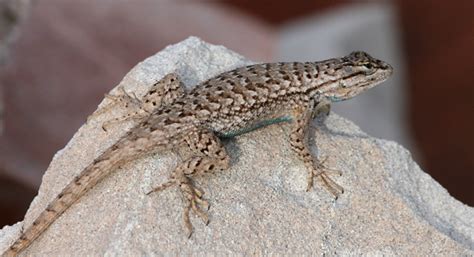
x: 323, y: 173
x: 194, y: 202
x: 163, y: 186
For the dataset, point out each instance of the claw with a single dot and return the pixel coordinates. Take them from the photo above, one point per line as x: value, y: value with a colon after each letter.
x: 322, y: 172
x: 332, y: 186
x: 326, y: 171
x: 310, y: 181
x: 202, y: 202
x: 187, y: 221
x: 199, y: 212
x: 129, y: 100
x: 163, y: 186
x: 193, y: 199
x: 198, y: 192
x: 194, y: 203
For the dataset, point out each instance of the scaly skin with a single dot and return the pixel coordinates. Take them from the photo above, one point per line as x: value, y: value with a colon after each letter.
x: 229, y: 104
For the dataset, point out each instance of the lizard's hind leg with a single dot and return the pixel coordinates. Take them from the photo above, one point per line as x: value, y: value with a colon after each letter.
x: 210, y: 156
x: 133, y: 105
x: 300, y: 144
x: 163, y: 92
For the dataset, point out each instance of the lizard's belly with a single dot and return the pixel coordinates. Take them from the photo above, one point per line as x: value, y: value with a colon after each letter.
x: 229, y: 126
x: 253, y: 126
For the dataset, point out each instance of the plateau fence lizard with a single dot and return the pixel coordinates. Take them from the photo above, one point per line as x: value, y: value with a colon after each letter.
x: 227, y: 105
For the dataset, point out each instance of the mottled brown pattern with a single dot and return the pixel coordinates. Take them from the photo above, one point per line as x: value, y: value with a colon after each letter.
x: 230, y: 102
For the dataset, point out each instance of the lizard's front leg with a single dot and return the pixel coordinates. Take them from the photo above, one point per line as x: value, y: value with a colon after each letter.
x: 210, y: 156
x: 299, y: 141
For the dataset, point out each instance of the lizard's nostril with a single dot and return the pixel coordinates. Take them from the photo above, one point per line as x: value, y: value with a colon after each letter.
x: 384, y: 65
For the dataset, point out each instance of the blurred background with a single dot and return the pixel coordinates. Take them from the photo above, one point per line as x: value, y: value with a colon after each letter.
x: 58, y: 58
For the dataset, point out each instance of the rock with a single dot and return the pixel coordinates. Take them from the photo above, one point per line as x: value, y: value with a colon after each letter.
x: 259, y: 206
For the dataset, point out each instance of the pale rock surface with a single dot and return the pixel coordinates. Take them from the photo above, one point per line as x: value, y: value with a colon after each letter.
x: 259, y: 206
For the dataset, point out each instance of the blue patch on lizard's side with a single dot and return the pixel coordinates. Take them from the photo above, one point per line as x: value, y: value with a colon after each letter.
x: 335, y: 99
x: 256, y: 126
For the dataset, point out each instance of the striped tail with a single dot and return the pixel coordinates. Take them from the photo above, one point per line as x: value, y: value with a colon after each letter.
x: 120, y: 152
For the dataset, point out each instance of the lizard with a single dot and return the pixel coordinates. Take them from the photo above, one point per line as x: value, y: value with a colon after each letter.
x: 227, y: 105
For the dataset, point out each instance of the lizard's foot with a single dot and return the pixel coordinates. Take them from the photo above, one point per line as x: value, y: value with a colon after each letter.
x: 193, y: 200
x: 123, y: 98
x: 129, y: 101
x: 322, y: 172
x: 212, y: 157
x: 163, y: 92
x: 135, y: 116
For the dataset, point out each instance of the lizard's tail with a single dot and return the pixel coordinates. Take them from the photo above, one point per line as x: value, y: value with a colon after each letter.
x: 120, y: 152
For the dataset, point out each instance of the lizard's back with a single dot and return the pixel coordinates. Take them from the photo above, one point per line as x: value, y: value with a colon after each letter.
x: 238, y: 98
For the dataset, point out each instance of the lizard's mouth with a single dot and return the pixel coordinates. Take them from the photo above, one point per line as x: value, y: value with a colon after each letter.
x: 366, y: 81
x: 376, y: 77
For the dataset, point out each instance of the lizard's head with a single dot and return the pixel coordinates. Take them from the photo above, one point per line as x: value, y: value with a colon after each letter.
x: 354, y: 74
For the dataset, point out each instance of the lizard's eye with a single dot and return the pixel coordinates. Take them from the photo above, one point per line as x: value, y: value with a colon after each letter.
x: 370, y: 68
